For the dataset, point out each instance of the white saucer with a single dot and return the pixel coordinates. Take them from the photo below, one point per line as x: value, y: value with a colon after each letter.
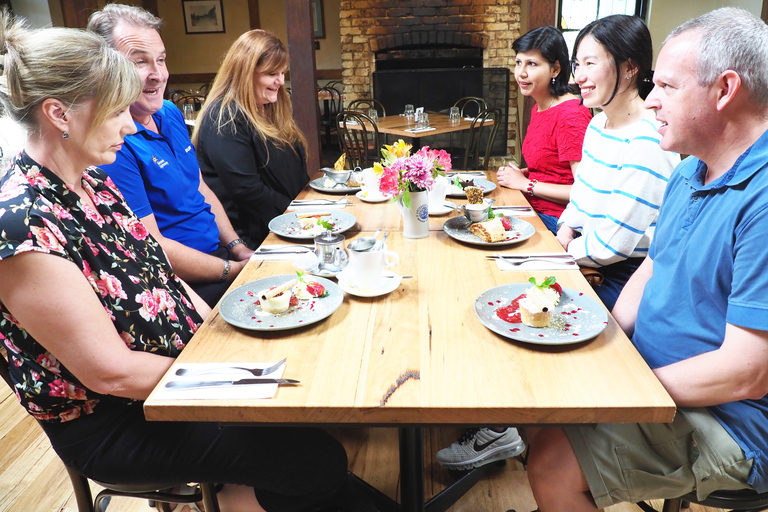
x: 386, y: 285
x: 447, y: 208
x: 371, y: 199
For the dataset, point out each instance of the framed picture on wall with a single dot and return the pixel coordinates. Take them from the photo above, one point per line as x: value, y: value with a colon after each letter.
x: 203, y: 16
x: 318, y: 20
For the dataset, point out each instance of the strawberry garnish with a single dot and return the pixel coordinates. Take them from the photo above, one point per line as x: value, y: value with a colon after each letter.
x: 316, y: 289
x: 506, y: 223
x: 294, y: 301
x: 557, y: 288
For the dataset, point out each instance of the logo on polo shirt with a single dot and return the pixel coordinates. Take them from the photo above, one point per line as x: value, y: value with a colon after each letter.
x: 160, y: 163
x: 189, y: 148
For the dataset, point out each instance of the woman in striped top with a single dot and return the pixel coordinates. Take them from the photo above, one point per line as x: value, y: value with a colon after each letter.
x: 609, y: 221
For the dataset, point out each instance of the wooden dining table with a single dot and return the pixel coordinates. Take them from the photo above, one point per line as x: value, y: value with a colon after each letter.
x: 419, y: 357
x: 439, y: 124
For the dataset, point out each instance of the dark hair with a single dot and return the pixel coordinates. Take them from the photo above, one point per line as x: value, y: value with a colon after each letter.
x: 627, y: 39
x: 550, y: 42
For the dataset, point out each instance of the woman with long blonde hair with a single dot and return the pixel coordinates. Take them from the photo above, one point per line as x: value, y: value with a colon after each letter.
x: 251, y: 153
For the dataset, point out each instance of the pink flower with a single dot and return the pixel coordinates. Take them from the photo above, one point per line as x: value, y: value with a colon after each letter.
x: 388, y: 185
x: 192, y: 325
x: 127, y: 338
x: 104, y: 197
x: 46, y: 239
x: 137, y: 229
x: 60, y: 212
x: 177, y: 342
x: 50, y: 362
x: 11, y: 188
x: 58, y: 388
x: 110, y: 285
x: 93, y: 215
x: 150, y: 307
x: 36, y: 179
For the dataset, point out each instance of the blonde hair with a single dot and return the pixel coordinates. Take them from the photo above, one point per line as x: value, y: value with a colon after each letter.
x: 70, y: 65
x: 256, y: 51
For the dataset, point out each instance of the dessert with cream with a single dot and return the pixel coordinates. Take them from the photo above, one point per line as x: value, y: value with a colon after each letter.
x: 539, y: 303
x: 489, y: 231
x: 276, y: 299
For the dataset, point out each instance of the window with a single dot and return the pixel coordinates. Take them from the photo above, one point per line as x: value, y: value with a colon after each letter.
x: 577, y: 14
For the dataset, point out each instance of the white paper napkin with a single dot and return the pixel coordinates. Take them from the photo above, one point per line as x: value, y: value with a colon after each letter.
x: 514, y: 212
x: 225, y: 392
x: 321, y: 205
x: 417, y: 130
x: 290, y: 252
x: 553, y: 264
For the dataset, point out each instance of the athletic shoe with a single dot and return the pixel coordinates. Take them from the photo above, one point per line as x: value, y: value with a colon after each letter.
x: 479, y: 446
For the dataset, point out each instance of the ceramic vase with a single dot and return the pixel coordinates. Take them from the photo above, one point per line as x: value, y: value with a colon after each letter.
x: 415, y: 218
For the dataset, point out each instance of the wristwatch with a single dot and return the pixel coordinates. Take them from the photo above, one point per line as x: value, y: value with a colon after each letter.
x: 234, y: 242
x: 225, y: 274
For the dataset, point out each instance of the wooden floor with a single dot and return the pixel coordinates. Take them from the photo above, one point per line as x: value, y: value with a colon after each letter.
x: 32, y: 478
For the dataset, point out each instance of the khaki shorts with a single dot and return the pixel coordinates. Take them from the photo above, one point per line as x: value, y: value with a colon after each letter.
x: 637, y: 462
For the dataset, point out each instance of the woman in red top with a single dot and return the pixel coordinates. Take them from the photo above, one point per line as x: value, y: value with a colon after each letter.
x: 552, y: 145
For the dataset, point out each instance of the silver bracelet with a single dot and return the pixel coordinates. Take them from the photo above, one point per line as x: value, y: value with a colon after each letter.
x: 227, y: 267
x: 234, y: 242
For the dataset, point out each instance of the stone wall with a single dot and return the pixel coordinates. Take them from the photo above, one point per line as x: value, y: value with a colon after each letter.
x: 365, y: 22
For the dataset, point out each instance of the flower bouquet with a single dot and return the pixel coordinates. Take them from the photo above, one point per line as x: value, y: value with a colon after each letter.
x: 401, y: 173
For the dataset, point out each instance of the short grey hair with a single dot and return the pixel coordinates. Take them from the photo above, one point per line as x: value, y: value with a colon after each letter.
x: 105, y: 21
x: 731, y: 38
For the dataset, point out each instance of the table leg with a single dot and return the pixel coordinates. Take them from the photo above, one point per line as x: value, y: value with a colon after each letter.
x: 412, y: 469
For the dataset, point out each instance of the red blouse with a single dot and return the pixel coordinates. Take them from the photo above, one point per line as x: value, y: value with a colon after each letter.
x: 553, y: 140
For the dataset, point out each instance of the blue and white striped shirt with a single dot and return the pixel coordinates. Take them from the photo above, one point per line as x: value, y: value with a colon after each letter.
x: 618, y: 190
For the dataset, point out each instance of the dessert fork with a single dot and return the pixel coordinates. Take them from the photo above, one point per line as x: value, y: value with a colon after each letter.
x: 256, y: 372
x: 548, y: 260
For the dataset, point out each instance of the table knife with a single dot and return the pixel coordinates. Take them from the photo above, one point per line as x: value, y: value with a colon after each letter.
x: 529, y: 256
x: 177, y: 384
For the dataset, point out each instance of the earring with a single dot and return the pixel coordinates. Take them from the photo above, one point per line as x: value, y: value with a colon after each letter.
x: 65, y: 135
x: 627, y: 77
x: 553, y: 80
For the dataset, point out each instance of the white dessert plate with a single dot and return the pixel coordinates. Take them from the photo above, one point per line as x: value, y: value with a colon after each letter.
x: 388, y: 282
x: 239, y: 308
x: 583, y: 318
x: 370, y: 198
x: 446, y: 208
x: 340, y: 188
x: 487, y: 186
x: 288, y: 225
x: 458, y: 228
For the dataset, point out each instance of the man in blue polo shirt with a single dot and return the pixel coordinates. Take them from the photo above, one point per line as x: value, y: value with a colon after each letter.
x: 157, y: 169
x: 697, y: 307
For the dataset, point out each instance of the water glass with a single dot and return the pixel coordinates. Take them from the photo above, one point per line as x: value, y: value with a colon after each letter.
x: 454, y: 116
x: 189, y: 111
x: 422, y: 121
x: 373, y: 115
x: 408, y: 110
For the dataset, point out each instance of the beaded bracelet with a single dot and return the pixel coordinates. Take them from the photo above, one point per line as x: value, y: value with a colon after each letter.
x: 531, y: 184
x: 225, y: 274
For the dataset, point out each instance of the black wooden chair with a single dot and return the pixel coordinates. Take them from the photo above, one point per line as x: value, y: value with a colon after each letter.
x: 365, y: 104
x: 358, y: 138
x: 735, y: 501
x: 331, y: 100
x: 480, y: 138
x: 158, y: 492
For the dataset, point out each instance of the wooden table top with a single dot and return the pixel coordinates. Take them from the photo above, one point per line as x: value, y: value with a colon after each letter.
x: 349, y: 362
x: 397, y: 125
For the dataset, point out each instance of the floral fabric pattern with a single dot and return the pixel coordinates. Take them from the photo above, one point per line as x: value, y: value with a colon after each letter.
x: 126, y: 268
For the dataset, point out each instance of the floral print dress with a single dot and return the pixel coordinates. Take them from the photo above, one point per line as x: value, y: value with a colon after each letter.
x: 124, y: 265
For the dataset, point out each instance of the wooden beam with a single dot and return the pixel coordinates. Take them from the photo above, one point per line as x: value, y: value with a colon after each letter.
x: 151, y: 6
x: 303, y: 81
x: 76, y: 12
x: 253, y: 14
x: 764, y: 13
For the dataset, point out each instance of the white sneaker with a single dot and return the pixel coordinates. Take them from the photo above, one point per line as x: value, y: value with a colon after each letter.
x: 480, y: 446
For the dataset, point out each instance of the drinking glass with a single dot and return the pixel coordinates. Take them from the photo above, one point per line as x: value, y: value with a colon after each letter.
x: 189, y: 111
x: 454, y: 116
x: 408, y: 110
x: 373, y: 115
x: 422, y: 121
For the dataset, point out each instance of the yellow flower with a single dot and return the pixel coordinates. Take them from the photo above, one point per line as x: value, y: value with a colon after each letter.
x: 400, y: 149
x: 378, y: 168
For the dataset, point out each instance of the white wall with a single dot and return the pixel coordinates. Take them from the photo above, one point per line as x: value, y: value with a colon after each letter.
x: 36, y: 12
x: 665, y: 15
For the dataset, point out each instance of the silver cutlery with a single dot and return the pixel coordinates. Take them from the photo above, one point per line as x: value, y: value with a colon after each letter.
x: 287, y: 249
x: 529, y: 256
x: 202, y: 384
x: 401, y: 277
x: 256, y: 372
x: 522, y: 208
x: 517, y: 263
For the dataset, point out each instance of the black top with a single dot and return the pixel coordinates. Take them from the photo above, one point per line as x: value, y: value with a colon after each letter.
x: 254, y: 180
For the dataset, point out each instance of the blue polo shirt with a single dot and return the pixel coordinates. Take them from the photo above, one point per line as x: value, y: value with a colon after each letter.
x: 709, y: 255
x: 158, y: 174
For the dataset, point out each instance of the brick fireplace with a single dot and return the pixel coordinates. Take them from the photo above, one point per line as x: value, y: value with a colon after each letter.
x: 377, y: 34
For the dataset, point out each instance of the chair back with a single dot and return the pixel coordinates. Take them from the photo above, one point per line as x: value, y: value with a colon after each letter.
x: 366, y: 104
x: 470, y: 106
x: 174, y: 95
x: 359, y: 138
x: 331, y: 101
x: 482, y: 134
x: 190, y: 99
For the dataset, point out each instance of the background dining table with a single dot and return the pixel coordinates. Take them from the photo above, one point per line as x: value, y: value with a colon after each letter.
x: 419, y: 357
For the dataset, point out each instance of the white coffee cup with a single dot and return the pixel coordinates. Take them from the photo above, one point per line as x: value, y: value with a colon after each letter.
x: 371, y: 184
x: 365, y: 268
x: 436, y: 196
